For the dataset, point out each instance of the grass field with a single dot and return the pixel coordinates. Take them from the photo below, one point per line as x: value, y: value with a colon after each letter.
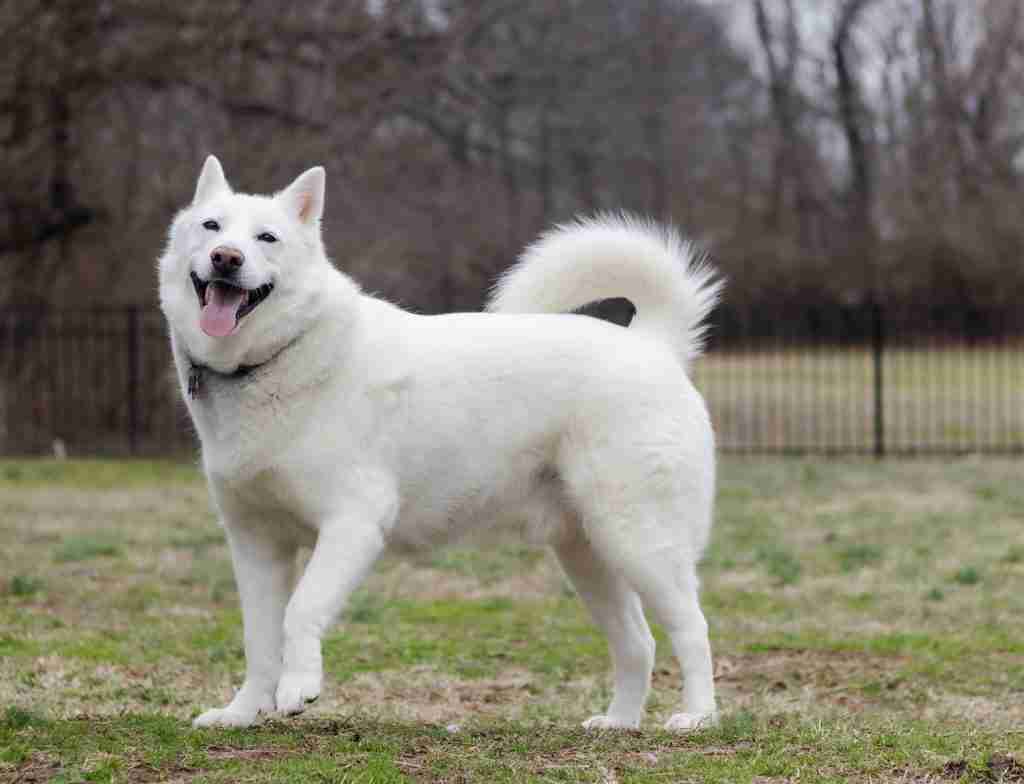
x: 867, y: 622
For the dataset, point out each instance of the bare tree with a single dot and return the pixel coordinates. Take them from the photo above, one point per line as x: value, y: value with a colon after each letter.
x: 856, y: 127
x: 885, y: 152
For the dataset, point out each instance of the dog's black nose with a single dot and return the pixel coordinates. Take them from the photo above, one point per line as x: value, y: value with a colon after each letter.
x: 226, y: 260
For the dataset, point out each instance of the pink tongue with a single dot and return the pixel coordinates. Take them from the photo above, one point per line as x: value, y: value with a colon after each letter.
x: 220, y: 311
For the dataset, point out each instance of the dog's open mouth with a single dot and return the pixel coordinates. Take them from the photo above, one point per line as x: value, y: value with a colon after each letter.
x: 223, y: 304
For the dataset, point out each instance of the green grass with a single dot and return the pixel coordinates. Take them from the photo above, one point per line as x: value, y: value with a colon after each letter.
x: 781, y: 565
x: 24, y: 585
x: 856, y: 556
x: 91, y: 474
x: 86, y: 547
x: 865, y: 621
x: 744, y: 748
x: 967, y: 575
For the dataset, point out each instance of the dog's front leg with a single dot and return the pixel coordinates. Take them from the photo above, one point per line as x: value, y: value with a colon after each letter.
x: 345, y: 551
x: 263, y: 567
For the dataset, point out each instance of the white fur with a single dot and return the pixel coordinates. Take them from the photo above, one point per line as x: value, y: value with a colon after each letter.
x: 673, y: 287
x: 367, y: 428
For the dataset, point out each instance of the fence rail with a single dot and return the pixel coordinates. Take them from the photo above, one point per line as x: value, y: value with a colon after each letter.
x: 817, y: 380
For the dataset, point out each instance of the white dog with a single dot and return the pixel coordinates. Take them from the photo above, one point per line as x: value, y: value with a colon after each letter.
x: 334, y: 419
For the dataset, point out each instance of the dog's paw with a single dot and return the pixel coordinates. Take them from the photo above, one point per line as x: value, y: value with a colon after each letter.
x: 610, y: 723
x: 252, y: 701
x: 688, y: 722
x: 296, y: 690
x: 227, y: 717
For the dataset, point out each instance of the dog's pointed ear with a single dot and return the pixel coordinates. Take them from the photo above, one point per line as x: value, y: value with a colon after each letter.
x: 305, y: 197
x: 211, y: 180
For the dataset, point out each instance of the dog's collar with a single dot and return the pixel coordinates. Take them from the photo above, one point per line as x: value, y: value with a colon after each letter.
x: 197, y: 372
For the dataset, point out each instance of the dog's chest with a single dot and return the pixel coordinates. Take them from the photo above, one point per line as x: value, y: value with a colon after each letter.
x: 243, y: 424
x: 274, y: 498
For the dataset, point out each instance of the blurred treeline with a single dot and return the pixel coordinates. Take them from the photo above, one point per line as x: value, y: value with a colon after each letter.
x: 823, y: 150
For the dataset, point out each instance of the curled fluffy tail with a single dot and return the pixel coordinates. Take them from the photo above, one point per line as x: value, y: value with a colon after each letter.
x: 671, y: 284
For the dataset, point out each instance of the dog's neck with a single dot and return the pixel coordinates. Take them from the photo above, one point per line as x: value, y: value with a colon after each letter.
x: 197, y: 373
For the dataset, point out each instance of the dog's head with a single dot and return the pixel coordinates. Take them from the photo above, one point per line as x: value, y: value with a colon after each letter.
x: 242, y: 274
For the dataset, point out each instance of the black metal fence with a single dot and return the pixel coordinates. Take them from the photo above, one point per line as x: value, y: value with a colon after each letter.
x: 823, y: 380
x: 866, y: 379
x: 89, y: 382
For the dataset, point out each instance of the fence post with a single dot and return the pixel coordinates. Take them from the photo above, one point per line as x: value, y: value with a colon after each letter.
x: 877, y: 353
x: 133, y: 378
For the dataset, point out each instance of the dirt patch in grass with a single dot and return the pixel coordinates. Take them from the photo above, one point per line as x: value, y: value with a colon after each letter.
x: 997, y: 768
x: 1002, y: 767
x: 426, y: 695
x: 37, y: 769
x: 984, y: 711
x: 809, y: 681
x: 230, y: 753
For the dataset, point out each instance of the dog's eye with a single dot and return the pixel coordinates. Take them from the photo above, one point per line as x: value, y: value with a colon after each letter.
x: 212, y: 225
x: 266, y: 237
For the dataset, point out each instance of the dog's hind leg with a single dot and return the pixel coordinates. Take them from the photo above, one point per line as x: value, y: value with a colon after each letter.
x: 615, y: 608
x: 668, y: 589
x: 649, y: 517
